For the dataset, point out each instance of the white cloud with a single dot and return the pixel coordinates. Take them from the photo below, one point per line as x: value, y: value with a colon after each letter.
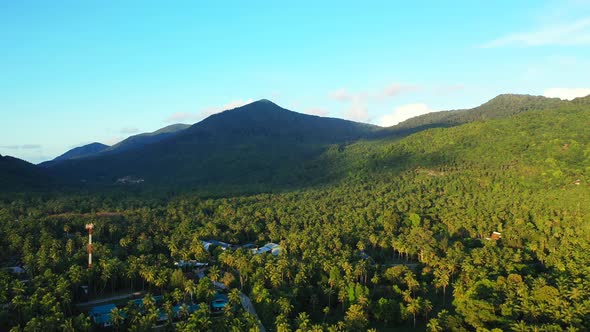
x: 391, y: 90
x: 31, y: 146
x: 23, y: 147
x: 234, y: 104
x: 316, y: 111
x: 358, y: 109
x: 357, y: 112
x: 566, y: 93
x: 197, y: 116
x: 113, y: 140
x: 403, y: 113
x: 396, y: 89
x: 129, y: 130
x: 564, y: 34
x: 341, y: 95
x: 181, y: 117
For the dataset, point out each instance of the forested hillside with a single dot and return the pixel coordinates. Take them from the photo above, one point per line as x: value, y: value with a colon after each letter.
x: 141, y: 140
x: 18, y: 175
x: 502, y: 106
x: 254, y: 148
x: 82, y: 151
x: 262, y: 147
x: 397, y: 236
x: 550, y: 145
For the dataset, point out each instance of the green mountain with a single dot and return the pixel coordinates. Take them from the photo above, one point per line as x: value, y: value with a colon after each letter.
x: 132, y: 142
x: 547, y: 144
x: 258, y: 145
x: 502, y: 106
x: 82, y: 151
x: 261, y: 147
x: 140, y: 140
x: 19, y: 175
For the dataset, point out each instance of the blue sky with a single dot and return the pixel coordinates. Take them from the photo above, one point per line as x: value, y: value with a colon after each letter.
x: 75, y: 72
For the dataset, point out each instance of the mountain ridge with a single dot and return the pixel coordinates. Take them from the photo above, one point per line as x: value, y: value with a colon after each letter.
x: 253, y: 142
x: 17, y: 174
x: 132, y: 142
x: 82, y: 151
x: 503, y: 105
x: 265, y: 147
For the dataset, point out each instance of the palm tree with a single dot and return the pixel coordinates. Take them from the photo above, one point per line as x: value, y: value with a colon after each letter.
x: 168, y: 309
x: 426, y: 307
x: 184, y: 313
x: 356, y: 318
x: 148, y: 302
x: 441, y: 280
x: 235, y: 298
x: 177, y: 295
x: 519, y: 326
x: 284, y: 305
x: 414, y: 307
x: 434, y: 325
x: 68, y: 325
x: 190, y: 288
x: 148, y: 273
x: 106, y: 272
x: 160, y: 279
x: 302, y: 321
x: 329, y: 291
x: 214, y: 273
x: 131, y: 269
x: 117, y: 318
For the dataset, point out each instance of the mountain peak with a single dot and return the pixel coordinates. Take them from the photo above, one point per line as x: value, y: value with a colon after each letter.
x: 261, y: 103
x: 264, y: 106
x: 82, y: 151
x: 264, y: 101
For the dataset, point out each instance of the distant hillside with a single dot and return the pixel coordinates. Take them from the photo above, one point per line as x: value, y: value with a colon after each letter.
x: 260, y: 144
x: 141, y: 140
x: 19, y: 175
x: 132, y: 142
x: 502, y: 106
x: 263, y: 147
x: 544, y: 146
x: 83, y: 151
x: 582, y: 100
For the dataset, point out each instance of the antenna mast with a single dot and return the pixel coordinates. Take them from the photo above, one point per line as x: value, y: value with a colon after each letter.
x: 89, y: 228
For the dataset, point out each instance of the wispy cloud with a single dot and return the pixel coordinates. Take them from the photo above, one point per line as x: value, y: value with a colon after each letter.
x: 565, y: 34
x: 391, y: 90
x: 341, y: 95
x: 129, y: 130
x: 316, y: 111
x: 113, y: 140
x: 403, y: 113
x: 197, y: 116
x: 357, y: 109
x: 31, y: 146
x: 396, y: 89
x: 181, y: 117
x: 23, y: 147
x: 566, y: 93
